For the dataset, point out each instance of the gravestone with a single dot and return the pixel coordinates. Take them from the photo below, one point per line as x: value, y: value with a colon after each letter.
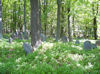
x: 20, y: 36
x: 0, y: 36
x: 27, y: 48
x: 77, y: 42
x: 87, y: 45
x: 16, y: 34
x: 94, y: 46
x: 5, y: 37
x: 10, y: 40
x: 98, y: 43
x: 26, y: 36
x: 13, y: 36
x: 64, y: 39
x: 43, y: 37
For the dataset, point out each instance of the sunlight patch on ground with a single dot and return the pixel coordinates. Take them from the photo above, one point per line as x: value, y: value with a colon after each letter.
x: 18, y: 60
x: 89, y: 66
x: 47, y: 45
x: 78, y: 47
x: 75, y: 57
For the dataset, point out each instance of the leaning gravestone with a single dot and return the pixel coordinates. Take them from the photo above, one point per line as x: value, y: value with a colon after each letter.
x: 10, y: 40
x: 94, y: 46
x: 64, y: 39
x: 98, y: 43
x: 77, y: 42
x: 87, y: 45
x: 27, y: 48
x: 43, y: 37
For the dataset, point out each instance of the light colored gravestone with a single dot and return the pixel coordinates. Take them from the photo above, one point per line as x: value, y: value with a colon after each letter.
x: 77, y: 42
x: 27, y: 48
x: 43, y: 37
x: 98, y: 43
x: 87, y: 45
x: 64, y: 39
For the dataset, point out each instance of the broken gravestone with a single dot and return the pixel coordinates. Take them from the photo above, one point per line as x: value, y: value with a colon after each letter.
x: 27, y: 48
x: 94, y: 46
x: 64, y: 39
x: 43, y: 37
x: 87, y: 45
x: 77, y: 42
x: 10, y: 40
x: 98, y: 43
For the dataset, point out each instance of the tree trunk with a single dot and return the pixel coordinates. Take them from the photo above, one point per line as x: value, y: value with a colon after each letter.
x: 95, y: 21
x: 69, y: 26
x: 58, y: 20
x: 0, y: 20
x: 35, y: 26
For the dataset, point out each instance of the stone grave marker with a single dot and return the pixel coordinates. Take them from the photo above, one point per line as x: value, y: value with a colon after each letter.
x: 27, y: 48
x: 43, y: 37
x: 94, y: 46
x: 77, y: 42
x: 87, y: 45
x: 64, y: 39
x: 98, y: 43
x: 10, y: 40
x: 20, y: 36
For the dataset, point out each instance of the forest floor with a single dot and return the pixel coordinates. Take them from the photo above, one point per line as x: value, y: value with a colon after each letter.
x: 50, y: 58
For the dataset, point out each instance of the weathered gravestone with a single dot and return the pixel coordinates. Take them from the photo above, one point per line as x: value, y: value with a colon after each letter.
x: 77, y: 42
x: 20, y: 36
x: 87, y: 45
x: 98, y: 43
x: 64, y: 39
x: 43, y: 37
x: 16, y: 34
x: 94, y: 46
x: 27, y: 48
x: 10, y: 40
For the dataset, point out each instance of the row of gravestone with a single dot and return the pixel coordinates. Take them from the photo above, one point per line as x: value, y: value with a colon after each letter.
x: 87, y: 45
x: 26, y: 36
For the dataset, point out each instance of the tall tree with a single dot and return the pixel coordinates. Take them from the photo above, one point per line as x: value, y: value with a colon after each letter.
x: 95, y: 20
x: 69, y: 21
x: 35, y: 26
x: 0, y: 20
x: 58, y: 19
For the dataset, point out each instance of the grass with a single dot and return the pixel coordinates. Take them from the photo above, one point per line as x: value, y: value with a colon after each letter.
x: 50, y: 58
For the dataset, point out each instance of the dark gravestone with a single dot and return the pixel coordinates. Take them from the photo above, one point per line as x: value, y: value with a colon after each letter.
x: 10, y: 40
x: 26, y: 36
x: 27, y: 48
x: 87, y: 45
x: 77, y: 42
x: 98, y: 43
x: 43, y: 37
x: 5, y: 37
x: 16, y: 34
x: 64, y: 39
x: 20, y: 36
x: 94, y: 46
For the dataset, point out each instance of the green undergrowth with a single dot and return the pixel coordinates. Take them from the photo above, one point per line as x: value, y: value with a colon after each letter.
x: 50, y: 58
